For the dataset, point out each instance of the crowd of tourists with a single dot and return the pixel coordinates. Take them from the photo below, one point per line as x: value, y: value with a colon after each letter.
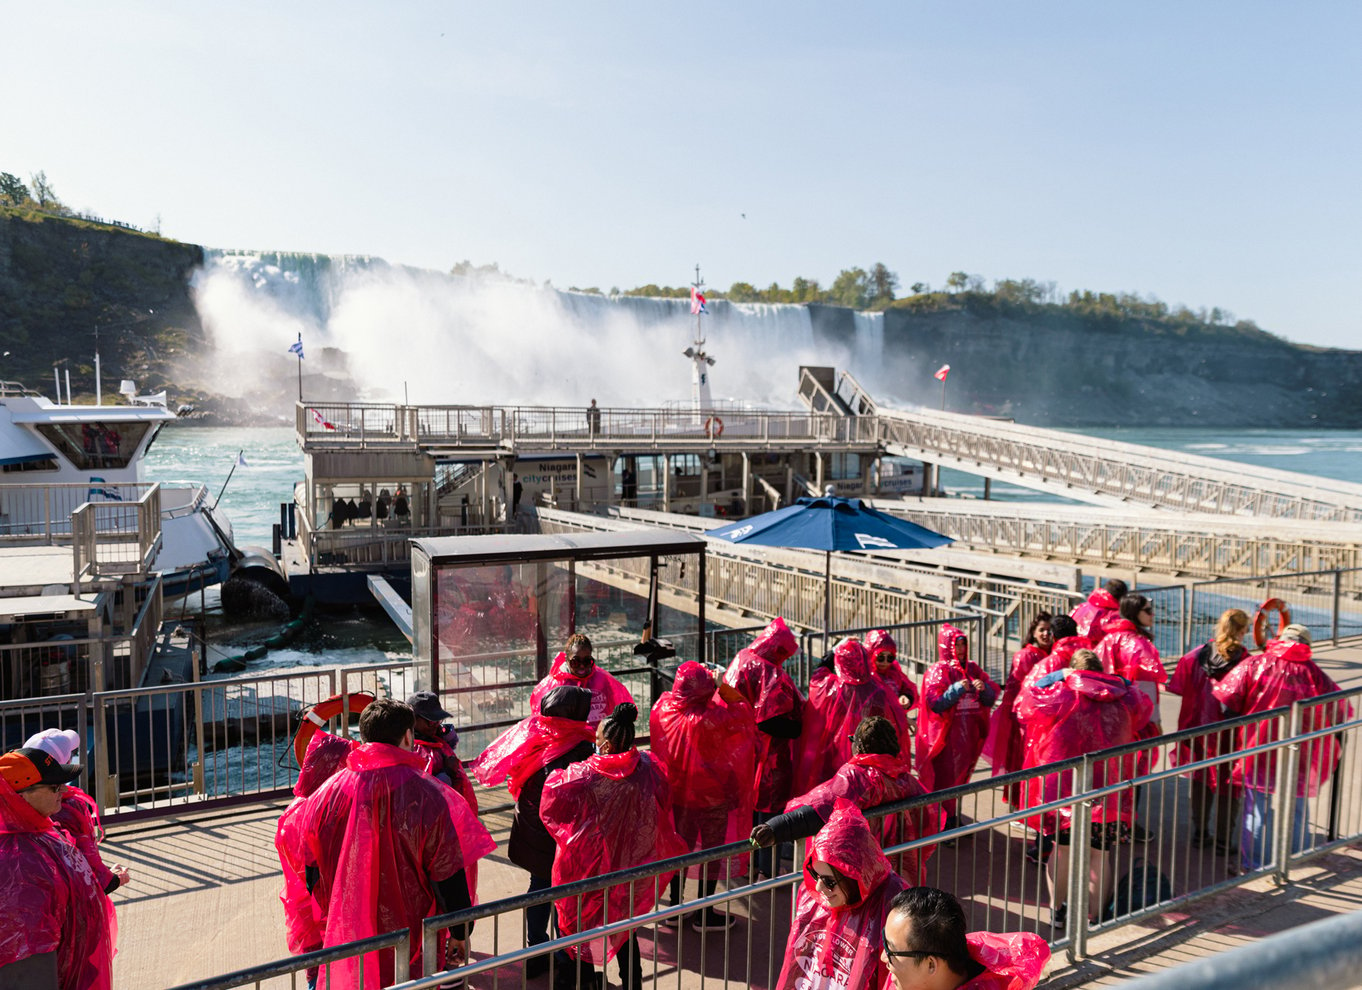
x: 384, y: 832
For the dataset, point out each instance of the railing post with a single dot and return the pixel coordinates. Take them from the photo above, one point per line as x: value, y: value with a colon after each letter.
x: 430, y: 949
x: 103, y: 798
x: 402, y: 960
x: 1284, y: 797
x: 1333, y: 611
x: 1080, y: 862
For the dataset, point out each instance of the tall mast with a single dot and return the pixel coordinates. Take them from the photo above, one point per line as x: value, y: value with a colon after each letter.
x: 700, y: 361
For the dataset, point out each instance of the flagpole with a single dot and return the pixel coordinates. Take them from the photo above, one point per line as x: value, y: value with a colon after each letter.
x: 300, y: 366
x: 239, y: 454
x: 943, y: 394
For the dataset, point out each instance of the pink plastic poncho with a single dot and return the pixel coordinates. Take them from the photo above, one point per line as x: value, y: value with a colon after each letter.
x: 949, y: 742
x: 878, y: 641
x: 837, y: 703
x: 50, y: 900
x: 1093, y: 616
x: 1200, y: 707
x: 871, y: 779
x: 608, y: 813
x: 526, y: 748
x: 380, y: 831
x: 1279, y: 676
x: 1125, y: 651
x: 326, y: 754
x: 708, y: 749
x: 1011, y: 960
x: 606, y: 689
x: 1003, y: 749
x: 839, y: 948
x: 1085, y: 712
x: 79, y: 816
x: 757, y: 673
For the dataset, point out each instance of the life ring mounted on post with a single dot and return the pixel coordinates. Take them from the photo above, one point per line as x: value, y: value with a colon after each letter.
x: 322, y: 712
x: 1260, y: 620
x: 714, y: 427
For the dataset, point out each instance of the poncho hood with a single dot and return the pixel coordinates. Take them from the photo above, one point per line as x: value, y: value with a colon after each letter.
x: 1101, y: 598
x: 694, y: 685
x: 775, y: 643
x: 878, y: 641
x: 1281, y: 649
x: 1097, y: 686
x: 851, y: 662
x: 848, y: 843
x: 616, y: 765
x: 952, y: 645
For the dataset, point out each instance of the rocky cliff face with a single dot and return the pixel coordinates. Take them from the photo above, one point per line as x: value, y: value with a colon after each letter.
x: 1064, y: 371
x: 63, y: 279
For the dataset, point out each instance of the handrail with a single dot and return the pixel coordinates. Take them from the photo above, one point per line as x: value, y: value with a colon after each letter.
x: 398, y: 941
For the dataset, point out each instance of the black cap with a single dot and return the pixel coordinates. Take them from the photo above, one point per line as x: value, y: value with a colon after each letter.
x: 427, y: 705
x: 29, y: 767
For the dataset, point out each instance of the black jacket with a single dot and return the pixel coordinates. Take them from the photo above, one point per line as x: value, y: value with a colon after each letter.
x: 531, y: 847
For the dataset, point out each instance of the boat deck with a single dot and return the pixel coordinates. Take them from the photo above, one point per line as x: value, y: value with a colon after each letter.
x: 204, y: 897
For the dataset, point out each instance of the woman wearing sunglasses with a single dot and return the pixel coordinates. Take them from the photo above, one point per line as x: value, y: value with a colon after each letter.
x: 837, y: 936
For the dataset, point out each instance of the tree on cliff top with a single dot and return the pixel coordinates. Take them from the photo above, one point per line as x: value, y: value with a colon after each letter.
x: 13, y: 192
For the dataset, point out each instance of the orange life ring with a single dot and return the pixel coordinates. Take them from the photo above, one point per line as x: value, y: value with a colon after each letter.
x: 1260, y: 620
x: 322, y: 712
x: 714, y: 426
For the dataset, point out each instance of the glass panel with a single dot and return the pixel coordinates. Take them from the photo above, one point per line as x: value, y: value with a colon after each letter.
x: 95, y: 445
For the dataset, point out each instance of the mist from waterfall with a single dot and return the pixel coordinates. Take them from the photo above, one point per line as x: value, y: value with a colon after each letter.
x: 486, y: 338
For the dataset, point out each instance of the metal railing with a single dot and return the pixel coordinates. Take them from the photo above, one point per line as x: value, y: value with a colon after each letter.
x: 26, y: 717
x: 559, y: 427
x: 110, y: 538
x: 321, y: 960
x: 981, y: 860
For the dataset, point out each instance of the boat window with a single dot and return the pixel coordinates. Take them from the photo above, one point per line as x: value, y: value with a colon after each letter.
x: 95, y: 445
x: 41, y: 464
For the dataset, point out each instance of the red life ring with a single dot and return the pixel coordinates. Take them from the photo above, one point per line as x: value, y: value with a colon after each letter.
x: 714, y: 426
x: 322, y: 712
x: 1260, y: 620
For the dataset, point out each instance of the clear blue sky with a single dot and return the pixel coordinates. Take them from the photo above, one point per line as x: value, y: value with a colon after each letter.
x: 1208, y: 153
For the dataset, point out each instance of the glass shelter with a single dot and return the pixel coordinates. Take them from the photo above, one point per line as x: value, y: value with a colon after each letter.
x: 490, y: 614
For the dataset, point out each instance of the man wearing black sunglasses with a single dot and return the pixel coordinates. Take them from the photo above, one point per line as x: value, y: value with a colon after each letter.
x: 926, y: 947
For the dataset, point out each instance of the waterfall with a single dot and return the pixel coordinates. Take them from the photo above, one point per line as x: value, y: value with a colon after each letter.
x: 491, y: 339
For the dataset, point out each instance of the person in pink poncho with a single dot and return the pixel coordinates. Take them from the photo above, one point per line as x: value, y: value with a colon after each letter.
x: 1003, y: 749
x: 1103, y: 606
x: 303, y: 919
x: 759, y: 674
x: 79, y: 814
x: 1194, y: 679
x: 609, y: 813
x: 705, y: 735
x: 56, y: 924
x: 837, y: 703
x: 1286, y: 672
x: 1128, y: 649
x: 884, y: 654
x: 876, y: 774
x: 952, y: 721
x: 926, y: 947
x: 576, y: 667
x: 837, y: 934
x: 524, y: 756
x: 1072, y: 712
x: 387, y: 846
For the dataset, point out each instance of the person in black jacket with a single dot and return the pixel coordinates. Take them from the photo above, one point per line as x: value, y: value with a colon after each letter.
x: 531, y: 847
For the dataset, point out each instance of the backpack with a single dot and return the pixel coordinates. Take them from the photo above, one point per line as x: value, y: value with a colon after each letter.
x: 1143, y: 887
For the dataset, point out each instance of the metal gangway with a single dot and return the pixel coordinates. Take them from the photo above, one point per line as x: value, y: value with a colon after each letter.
x: 1087, y: 469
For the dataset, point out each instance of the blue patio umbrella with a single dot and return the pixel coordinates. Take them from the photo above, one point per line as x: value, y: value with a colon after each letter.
x: 830, y: 524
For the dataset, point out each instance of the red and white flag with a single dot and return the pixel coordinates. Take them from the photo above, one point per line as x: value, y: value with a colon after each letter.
x: 322, y: 422
x: 942, y: 372
x: 697, y: 301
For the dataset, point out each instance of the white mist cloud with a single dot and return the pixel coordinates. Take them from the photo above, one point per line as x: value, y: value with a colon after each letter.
x: 486, y: 339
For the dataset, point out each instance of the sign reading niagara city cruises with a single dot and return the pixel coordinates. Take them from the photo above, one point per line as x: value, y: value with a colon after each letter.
x: 736, y: 534
x: 868, y: 542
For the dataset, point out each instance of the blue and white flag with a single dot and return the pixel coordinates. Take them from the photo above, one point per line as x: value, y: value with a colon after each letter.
x: 296, y: 347
x: 241, y: 459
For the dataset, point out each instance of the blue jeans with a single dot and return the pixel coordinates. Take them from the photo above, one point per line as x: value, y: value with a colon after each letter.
x: 1255, y: 841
